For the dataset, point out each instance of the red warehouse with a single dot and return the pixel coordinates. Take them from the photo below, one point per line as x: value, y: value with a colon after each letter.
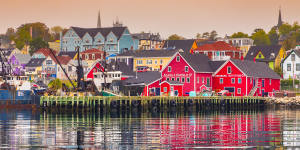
x: 194, y: 71
x: 246, y: 78
x: 219, y: 51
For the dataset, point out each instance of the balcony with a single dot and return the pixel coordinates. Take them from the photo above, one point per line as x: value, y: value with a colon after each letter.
x: 220, y: 58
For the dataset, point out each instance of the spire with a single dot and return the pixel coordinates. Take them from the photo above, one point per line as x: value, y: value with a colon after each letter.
x: 279, y: 19
x: 99, y: 20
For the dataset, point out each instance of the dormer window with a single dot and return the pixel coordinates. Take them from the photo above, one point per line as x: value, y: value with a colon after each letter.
x: 99, y: 41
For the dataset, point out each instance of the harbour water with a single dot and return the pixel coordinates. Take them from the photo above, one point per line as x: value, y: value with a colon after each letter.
x: 265, y: 129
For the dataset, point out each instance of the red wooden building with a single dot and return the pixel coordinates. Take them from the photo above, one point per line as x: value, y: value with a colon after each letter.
x: 246, y: 78
x: 219, y: 51
x: 171, y: 88
x: 92, y: 54
x: 193, y: 71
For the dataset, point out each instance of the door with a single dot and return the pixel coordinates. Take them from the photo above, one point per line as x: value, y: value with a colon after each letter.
x: 176, y: 92
x: 157, y: 91
x: 230, y: 90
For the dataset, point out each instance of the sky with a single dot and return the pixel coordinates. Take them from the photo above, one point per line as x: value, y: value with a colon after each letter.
x: 183, y: 17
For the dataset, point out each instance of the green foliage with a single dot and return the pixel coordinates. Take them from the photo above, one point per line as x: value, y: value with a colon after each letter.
x: 55, y: 32
x: 213, y: 35
x: 55, y: 84
x: 198, y: 36
x: 285, y: 29
x: 175, y: 37
x: 278, y: 71
x: 22, y: 37
x: 239, y: 35
x: 260, y: 37
x: 273, y: 36
x: 36, y: 44
x: 288, y: 82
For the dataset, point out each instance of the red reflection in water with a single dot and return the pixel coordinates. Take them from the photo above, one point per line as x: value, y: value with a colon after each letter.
x: 219, y: 130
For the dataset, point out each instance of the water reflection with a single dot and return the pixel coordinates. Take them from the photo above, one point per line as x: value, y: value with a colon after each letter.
x: 234, y: 129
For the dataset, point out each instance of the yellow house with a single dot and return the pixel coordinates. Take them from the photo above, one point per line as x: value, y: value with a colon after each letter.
x: 152, y: 60
x: 34, y: 68
x: 271, y: 54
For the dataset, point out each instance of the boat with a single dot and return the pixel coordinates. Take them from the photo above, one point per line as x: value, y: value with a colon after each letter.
x: 16, y: 92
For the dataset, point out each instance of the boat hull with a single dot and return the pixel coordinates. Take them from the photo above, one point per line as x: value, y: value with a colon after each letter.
x: 18, y: 99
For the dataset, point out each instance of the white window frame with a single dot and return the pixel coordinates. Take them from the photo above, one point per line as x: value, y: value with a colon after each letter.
x: 239, y: 79
x: 139, y: 62
x: 188, y: 80
x: 229, y: 68
x: 221, y: 81
x: 169, y: 69
x: 232, y: 80
x: 186, y: 69
x: 177, y: 58
x: 239, y: 90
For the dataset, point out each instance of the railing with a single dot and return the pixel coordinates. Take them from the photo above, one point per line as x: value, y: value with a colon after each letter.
x: 217, y: 58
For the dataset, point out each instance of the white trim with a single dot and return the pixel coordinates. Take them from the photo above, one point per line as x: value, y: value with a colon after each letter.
x: 195, y: 82
x: 218, y: 70
x: 246, y: 86
x: 152, y: 82
x: 168, y: 62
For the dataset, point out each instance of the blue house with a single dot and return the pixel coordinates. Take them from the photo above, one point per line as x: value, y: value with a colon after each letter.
x: 113, y: 40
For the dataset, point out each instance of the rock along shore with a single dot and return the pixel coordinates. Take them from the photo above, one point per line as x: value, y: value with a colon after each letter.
x: 288, y: 101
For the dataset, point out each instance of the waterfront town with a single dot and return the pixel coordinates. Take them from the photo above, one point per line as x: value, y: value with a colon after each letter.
x: 143, y: 64
x: 159, y: 74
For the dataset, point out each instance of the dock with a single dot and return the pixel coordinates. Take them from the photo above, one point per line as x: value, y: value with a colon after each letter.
x: 154, y: 103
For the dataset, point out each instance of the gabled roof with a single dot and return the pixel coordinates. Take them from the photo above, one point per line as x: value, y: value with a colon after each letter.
x: 147, y: 36
x: 118, y: 31
x: 297, y: 52
x: 71, y: 54
x: 92, y: 51
x: 150, y: 53
x: 255, y: 69
x: 144, y: 78
x: 45, y: 51
x: 270, y: 52
x: 22, y: 58
x: 35, y: 62
x: 186, y: 45
x: 215, y: 65
x: 199, y: 62
x: 220, y: 45
x: 64, y: 60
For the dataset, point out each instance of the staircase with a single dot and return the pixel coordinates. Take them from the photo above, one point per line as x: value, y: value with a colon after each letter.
x: 253, y: 90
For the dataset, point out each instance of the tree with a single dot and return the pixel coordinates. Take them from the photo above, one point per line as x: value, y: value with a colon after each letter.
x: 22, y: 37
x: 36, y: 44
x: 273, y: 36
x: 289, y: 43
x: 285, y: 29
x: 213, y: 35
x: 175, y: 37
x: 55, y: 32
x: 239, y: 35
x: 198, y: 36
x: 260, y: 37
x: 205, y: 35
x: 55, y: 84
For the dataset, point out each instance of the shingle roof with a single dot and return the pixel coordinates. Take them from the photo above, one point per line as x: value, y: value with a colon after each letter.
x: 35, y: 62
x: 255, y: 69
x: 144, y: 78
x: 23, y: 58
x: 120, y: 66
x: 199, y: 62
x: 64, y: 60
x: 202, y: 42
x: 71, y: 54
x: 215, y: 65
x: 220, y: 45
x: 186, y: 45
x: 150, y: 53
x: 270, y: 52
x: 146, y: 36
x: 45, y: 51
x: 92, y: 51
x: 118, y: 31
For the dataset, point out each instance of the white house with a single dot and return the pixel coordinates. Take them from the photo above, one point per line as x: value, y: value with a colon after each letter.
x: 291, y: 65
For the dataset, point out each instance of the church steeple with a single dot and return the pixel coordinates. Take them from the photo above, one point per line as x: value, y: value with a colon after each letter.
x: 279, y: 19
x: 99, y: 20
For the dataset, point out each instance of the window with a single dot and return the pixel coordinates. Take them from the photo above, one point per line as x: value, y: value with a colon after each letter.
x: 239, y: 91
x: 178, y: 59
x: 203, y: 80
x: 288, y: 67
x: 173, y: 79
x: 169, y: 68
x: 298, y: 67
x: 69, y: 68
x: 293, y: 57
x: 239, y: 80
x: 205, y: 53
x: 186, y: 68
x: 155, y: 62
x: 198, y: 79
x: 232, y: 80
x: 182, y: 79
x: 149, y: 62
x: 228, y: 70
x: 188, y: 79
x: 178, y: 79
x: 49, y: 62
x: 250, y: 80
x: 208, y: 82
x: 86, y: 56
x: 93, y: 56
x: 221, y: 80
x: 262, y: 83
x: 168, y: 79
x: 161, y: 61
x: 165, y: 89
x: 270, y: 81
x: 139, y: 62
